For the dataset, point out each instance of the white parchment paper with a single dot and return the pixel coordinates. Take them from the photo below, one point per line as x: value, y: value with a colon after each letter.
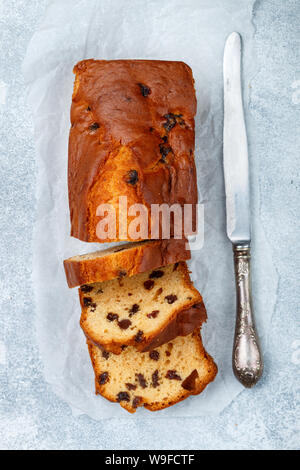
x: 190, y: 30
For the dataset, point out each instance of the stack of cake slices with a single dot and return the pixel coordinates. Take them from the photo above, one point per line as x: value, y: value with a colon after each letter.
x: 133, y: 137
x: 142, y: 316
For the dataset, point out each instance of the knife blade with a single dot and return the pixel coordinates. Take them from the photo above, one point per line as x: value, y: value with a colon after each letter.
x: 235, y: 147
x: 247, y: 362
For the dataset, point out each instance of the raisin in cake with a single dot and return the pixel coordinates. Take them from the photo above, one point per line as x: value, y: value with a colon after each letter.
x: 136, y: 310
x: 127, y: 259
x: 132, y: 135
x: 155, y: 379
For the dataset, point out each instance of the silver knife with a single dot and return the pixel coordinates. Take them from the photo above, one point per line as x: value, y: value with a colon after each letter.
x: 247, y: 360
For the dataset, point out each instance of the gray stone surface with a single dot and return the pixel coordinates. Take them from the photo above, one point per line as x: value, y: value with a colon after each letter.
x: 31, y: 416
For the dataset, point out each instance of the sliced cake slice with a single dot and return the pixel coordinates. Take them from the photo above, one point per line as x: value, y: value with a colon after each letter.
x: 127, y: 259
x: 155, y: 379
x: 136, y: 310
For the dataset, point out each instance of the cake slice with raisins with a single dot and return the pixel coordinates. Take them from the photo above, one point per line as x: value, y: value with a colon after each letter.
x: 155, y: 379
x: 143, y: 311
x: 124, y: 260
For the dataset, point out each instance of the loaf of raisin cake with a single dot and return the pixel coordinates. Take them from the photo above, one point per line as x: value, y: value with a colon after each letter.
x: 132, y: 134
x: 124, y: 260
x: 155, y: 379
x: 138, y: 310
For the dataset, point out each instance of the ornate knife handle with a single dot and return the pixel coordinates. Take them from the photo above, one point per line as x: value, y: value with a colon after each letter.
x: 247, y: 360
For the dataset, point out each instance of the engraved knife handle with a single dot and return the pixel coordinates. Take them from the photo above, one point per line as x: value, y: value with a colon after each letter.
x: 247, y: 359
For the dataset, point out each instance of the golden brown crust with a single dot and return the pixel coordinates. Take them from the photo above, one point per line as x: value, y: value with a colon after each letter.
x: 171, y: 324
x: 129, y: 260
x: 185, y: 322
x: 198, y: 384
x: 130, y: 115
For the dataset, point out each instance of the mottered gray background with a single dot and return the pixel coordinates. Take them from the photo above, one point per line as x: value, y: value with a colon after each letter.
x: 31, y: 415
